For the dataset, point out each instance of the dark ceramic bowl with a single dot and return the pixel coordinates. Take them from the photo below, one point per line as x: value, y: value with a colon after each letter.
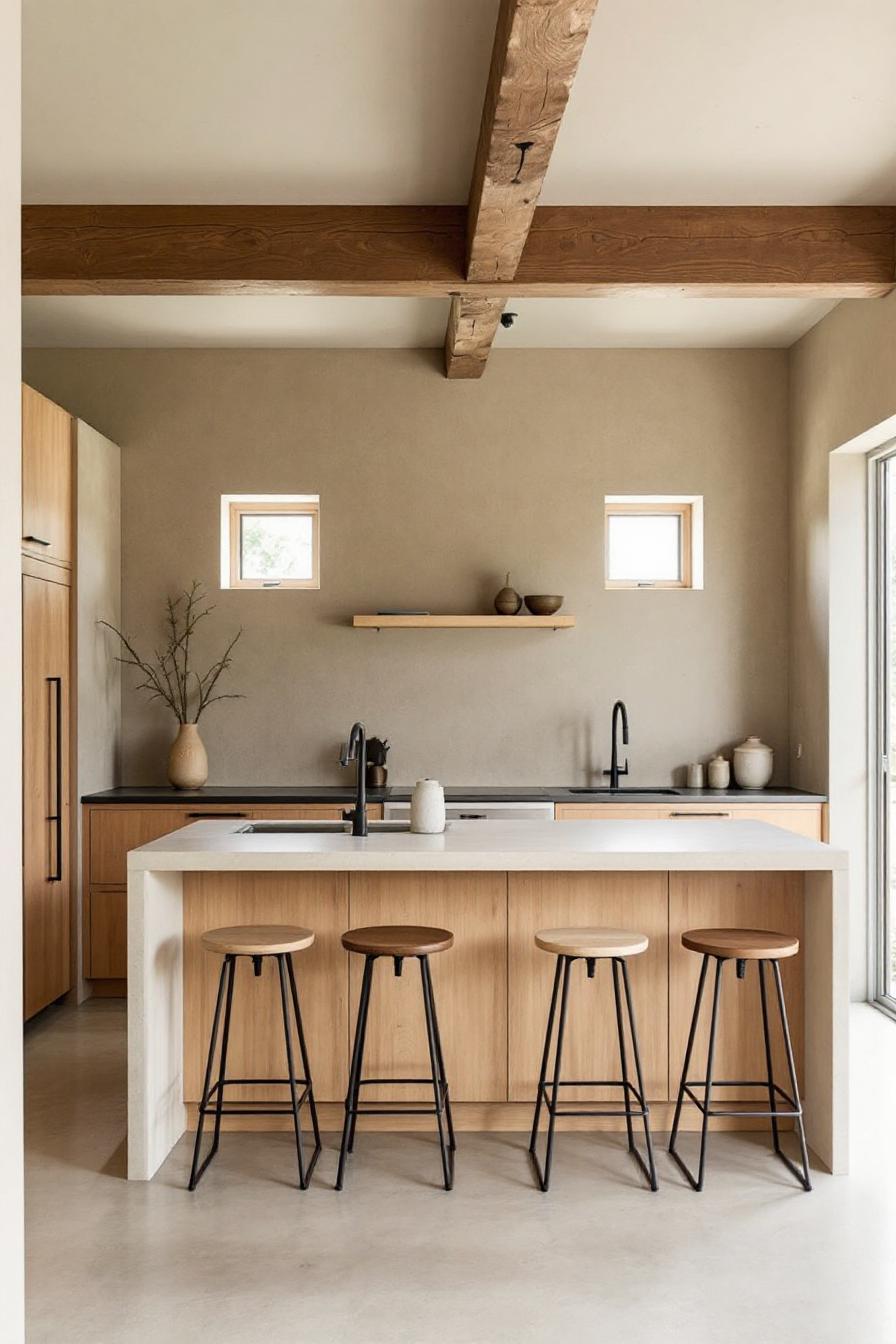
x: 542, y: 605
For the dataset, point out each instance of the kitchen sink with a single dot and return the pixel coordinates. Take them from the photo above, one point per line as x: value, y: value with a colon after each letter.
x: 318, y: 827
x: 674, y: 793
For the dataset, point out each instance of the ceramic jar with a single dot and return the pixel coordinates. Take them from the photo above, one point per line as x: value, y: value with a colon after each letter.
x: 695, y: 775
x: 187, y: 761
x: 719, y: 773
x: 508, y: 600
x: 753, y: 763
x: 428, y: 807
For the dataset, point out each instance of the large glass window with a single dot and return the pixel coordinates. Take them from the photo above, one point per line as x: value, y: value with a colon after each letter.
x: 883, y: 736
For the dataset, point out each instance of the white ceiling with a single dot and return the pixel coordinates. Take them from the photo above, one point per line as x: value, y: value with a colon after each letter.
x: 378, y: 101
x: 348, y: 322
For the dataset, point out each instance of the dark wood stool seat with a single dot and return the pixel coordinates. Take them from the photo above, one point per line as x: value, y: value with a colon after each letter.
x: 397, y: 940
x: 765, y: 949
x: 741, y: 944
x: 258, y: 942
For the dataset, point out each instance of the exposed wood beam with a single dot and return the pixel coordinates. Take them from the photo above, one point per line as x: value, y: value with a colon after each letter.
x: 472, y: 323
x: 537, y: 48
x: 572, y: 251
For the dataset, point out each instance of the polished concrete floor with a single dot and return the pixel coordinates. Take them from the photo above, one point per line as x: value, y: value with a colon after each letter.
x: 248, y: 1258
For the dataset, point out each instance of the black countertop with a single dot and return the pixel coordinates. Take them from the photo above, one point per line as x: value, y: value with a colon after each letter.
x: 265, y: 795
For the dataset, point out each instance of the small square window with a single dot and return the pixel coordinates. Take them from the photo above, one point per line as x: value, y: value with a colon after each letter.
x: 270, y: 541
x: 653, y: 541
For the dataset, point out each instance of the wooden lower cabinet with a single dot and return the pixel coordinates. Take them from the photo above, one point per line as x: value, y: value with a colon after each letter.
x: 469, y: 982
x: 807, y: 819
x: 734, y: 900
x: 635, y: 901
x: 318, y: 901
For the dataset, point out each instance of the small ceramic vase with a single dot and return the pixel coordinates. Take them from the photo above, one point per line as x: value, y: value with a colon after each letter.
x: 753, y: 763
x: 719, y: 772
x: 428, y: 807
x: 508, y: 600
x: 187, y: 760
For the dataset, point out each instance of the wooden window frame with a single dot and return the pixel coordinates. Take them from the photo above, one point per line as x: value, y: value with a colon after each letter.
x: 684, y: 510
x: 237, y: 508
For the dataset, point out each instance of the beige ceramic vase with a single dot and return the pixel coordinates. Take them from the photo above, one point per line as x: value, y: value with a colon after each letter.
x: 187, y: 760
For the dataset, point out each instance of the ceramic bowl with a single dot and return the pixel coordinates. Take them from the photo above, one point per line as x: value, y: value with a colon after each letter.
x: 541, y: 604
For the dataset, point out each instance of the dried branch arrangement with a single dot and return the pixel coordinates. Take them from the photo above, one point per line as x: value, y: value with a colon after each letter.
x: 168, y: 676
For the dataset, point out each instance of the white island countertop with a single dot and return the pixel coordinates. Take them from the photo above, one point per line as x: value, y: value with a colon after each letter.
x: 496, y: 846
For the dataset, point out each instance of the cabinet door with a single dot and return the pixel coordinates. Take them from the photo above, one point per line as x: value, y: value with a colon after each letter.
x: 803, y: 819
x: 45, y: 768
x: 605, y: 812
x: 636, y: 901
x: 115, y: 830
x: 46, y: 478
x: 311, y: 812
x: 108, y: 940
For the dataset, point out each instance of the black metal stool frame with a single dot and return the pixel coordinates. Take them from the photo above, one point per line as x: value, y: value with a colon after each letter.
x: 213, y: 1094
x: 634, y: 1105
x: 704, y: 1103
x: 441, y: 1107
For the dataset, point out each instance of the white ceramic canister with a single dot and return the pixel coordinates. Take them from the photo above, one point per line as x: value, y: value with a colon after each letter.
x: 753, y: 763
x: 719, y: 773
x: 695, y: 775
x: 428, y: 807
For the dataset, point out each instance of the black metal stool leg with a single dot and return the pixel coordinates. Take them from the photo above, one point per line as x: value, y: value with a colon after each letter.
x: 351, y: 1096
x: 225, y: 1042
x: 438, y: 1095
x: 443, y: 1075
x: 697, y: 1184
x: 544, y: 1175
x: 769, y: 1070
x: 195, y: 1171
x: 689, y: 1050
x: 649, y: 1168
x: 291, y: 1071
x: 803, y: 1177
x: 306, y: 1067
x: 546, y: 1054
x: 623, y: 1059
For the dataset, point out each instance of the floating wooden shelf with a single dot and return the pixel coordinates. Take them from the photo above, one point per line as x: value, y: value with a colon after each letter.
x: 556, y: 622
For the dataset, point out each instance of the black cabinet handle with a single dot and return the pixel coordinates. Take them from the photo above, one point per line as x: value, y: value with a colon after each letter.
x: 38, y: 541
x: 55, y: 768
x: 215, y: 816
x: 700, y: 814
x: 471, y: 816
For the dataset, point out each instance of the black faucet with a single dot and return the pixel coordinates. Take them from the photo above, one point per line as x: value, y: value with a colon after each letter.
x: 616, y: 769
x: 356, y: 750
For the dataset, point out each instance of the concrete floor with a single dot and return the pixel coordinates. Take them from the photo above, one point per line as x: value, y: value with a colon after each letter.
x: 248, y: 1258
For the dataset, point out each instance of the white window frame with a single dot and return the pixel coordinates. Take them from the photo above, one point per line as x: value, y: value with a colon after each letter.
x: 690, y: 510
x: 233, y: 507
x: 880, y: 836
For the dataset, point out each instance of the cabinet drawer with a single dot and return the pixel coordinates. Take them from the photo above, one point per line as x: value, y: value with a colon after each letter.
x: 108, y: 959
x: 116, y: 830
x: 311, y: 812
x: 803, y: 819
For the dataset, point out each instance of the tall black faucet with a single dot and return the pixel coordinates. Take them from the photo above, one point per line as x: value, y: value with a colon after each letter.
x: 616, y: 769
x: 356, y: 750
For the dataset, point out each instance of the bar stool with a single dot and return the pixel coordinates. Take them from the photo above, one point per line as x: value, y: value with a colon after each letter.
x: 741, y: 946
x: 257, y: 941
x: 591, y: 946
x: 399, y: 941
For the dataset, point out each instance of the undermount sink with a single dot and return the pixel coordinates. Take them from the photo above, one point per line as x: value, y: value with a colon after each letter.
x: 631, y: 789
x: 317, y: 827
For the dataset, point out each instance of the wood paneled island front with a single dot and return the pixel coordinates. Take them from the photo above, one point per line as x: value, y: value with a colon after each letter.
x: 493, y: 885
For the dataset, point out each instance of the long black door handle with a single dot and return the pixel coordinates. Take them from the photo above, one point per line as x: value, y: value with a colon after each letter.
x: 55, y: 817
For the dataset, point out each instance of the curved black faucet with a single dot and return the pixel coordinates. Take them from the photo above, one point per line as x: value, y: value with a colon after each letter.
x: 616, y: 769
x: 356, y: 750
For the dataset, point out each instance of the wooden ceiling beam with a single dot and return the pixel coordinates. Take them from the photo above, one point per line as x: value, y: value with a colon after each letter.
x: 571, y: 251
x: 537, y: 48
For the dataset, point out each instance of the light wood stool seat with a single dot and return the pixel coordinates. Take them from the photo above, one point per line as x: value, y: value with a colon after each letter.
x: 741, y: 944
x: 397, y: 940
x: 766, y: 950
x: 592, y: 942
x: 258, y: 940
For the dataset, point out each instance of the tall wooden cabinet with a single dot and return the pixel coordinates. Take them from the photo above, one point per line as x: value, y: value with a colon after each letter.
x: 47, y: 700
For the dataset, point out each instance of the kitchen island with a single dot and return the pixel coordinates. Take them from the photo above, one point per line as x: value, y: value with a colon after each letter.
x: 493, y: 885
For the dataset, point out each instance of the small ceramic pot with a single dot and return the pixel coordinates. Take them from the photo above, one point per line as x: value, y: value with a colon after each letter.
x: 187, y: 760
x: 428, y: 807
x: 695, y: 775
x: 508, y: 600
x: 753, y: 764
x: 719, y: 773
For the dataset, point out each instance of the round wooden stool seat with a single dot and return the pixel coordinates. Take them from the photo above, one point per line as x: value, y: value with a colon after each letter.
x: 741, y: 944
x: 592, y: 942
x: 258, y: 940
x: 397, y: 940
